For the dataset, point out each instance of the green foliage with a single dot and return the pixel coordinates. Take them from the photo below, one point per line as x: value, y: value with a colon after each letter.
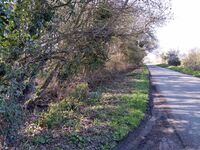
x: 80, y: 92
x: 11, y: 115
x: 134, y: 54
x: 59, y: 113
x: 16, y: 18
x: 2, y: 70
x: 186, y: 70
x: 40, y: 139
x: 101, y: 123
x: 133, y: 107
x: 94, y: 97
x: 5, y: 15
x: 39, y: 20
x: 37, y: 34
x: 173, y: 58
x: 77, y: 139
x: 174, y: 62
x: 182, y: 69
x: 11, y: 111
x: 69, y: 69
x: 163, y: 65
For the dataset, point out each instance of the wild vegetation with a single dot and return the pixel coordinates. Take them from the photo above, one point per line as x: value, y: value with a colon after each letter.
x: 171, y: 58
x: 190, y: 64
x: 182, y: 69
x: 192, y: 60
x: 186, y: 70
x: 98, y: 122
x: 54, y: 56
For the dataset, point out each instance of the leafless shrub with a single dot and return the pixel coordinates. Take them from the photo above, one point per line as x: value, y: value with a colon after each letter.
x: 192, y: 60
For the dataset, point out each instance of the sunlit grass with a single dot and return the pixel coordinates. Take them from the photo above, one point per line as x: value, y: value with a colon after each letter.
x: 186, y: 70
x: 132, y: 108
x: 182, y: 69
x: 102, y: 122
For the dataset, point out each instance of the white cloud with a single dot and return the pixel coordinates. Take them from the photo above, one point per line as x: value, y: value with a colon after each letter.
x: 183, y: 32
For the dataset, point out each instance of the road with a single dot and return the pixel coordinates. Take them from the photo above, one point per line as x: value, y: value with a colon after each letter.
x: 175, y: 120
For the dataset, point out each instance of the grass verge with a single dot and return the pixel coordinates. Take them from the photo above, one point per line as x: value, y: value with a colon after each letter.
x: 182, y: 69
x: 99, y: 121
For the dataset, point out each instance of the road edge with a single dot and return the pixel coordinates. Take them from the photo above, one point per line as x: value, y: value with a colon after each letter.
x: 124, y: 144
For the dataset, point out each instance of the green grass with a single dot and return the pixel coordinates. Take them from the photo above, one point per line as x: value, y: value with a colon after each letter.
x: 132, y: 108
x: 163, y: 65
x: 61, y: 113
x: 101, y: 123
x: 182, y: 69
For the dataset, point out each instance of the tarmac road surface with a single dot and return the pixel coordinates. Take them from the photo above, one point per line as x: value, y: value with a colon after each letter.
x: 175, y: 120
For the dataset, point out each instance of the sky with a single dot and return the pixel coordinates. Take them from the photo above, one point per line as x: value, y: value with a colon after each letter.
x: 183, y: 32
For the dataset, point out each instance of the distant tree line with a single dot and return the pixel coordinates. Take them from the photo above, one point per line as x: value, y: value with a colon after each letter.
x: 190, y: 60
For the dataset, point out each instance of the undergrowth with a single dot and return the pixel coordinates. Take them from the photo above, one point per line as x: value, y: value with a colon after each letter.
x: 93, y: 120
